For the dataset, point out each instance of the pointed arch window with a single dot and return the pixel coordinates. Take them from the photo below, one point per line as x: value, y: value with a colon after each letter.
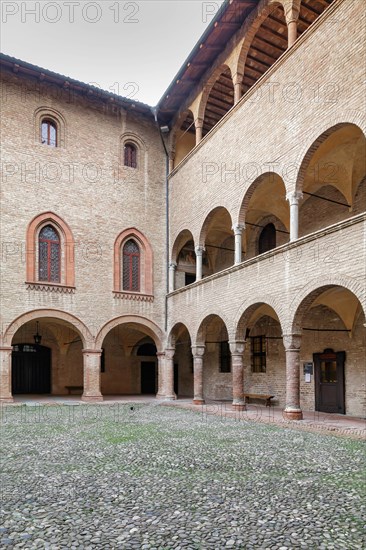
x: 130, y: 155
x: 267, y: 238
x: 49, y: 255
x: 131, y: 266
x: 49, y: 132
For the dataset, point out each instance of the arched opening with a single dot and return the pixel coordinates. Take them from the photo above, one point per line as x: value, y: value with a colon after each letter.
x: 49, y: 132
x: 217, y: 377
x: 332, y: 174
x: 130, y: 155
x: 268, y: 44
x: 219, y: 100
x: 266, y: 220
x: 184, y: 255
x: 185, y: 137
x: 218, y: 239
x: 333, y: 343
x: 180, y: 339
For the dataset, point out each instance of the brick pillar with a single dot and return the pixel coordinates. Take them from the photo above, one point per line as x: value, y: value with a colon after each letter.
x: 5, y: 374
x: 293, y: 199
x: 168, y: 380
x: 199, y: 254
x: 237, y: 81
x: 161, y: 362
x: 292, y: 343
x: 91, y: 364
x: 238, y: 230
x: 198, y: 123
x: 198, y: 352
x: 172, y: 268
x: 237, y: 350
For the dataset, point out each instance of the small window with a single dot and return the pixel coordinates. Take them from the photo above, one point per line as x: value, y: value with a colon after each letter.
x: 131, y: 266
x: 225, y: 357
x: 49, y: 255
x: 49, y: 132
x: 267, y: 238
x: 258, y: 354
x: 130, y: 154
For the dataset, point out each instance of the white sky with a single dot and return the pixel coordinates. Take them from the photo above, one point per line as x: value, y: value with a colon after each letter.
x: 132, y: 48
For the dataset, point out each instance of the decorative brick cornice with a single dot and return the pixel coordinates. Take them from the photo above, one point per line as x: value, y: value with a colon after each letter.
x: 50, y: 287
x: 133, y: 296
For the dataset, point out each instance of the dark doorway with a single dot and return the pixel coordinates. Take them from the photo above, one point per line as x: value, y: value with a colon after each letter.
x: 176, y: 379
x: 329, y: 381
x: 267, y: 238
x: 189, y: 278
x: 31, y: 369
x: 148, y: 377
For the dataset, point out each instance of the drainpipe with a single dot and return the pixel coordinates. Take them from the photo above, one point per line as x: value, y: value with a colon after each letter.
x: 155, y: 113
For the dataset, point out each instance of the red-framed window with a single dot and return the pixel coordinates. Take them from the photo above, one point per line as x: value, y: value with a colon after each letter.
x: 49, y: 132
x: 130, y: 155
x: 131, y: 266
x: 49, y: 255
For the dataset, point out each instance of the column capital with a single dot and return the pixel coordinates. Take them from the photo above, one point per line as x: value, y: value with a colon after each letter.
x: 198, y: 123
x: 294, y: 197
x: 238, y: 228
x: 173, y: 265
x: 199, y: 249
x: 96, y: 351
x: 6, y: 348
x: 237, y: 347
x: 169, y: 353
x: 160, y: 354
x: 292, y: 342
x: 198, y: 350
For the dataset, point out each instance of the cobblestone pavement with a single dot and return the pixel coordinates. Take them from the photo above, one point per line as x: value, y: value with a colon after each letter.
x: 147, y: 476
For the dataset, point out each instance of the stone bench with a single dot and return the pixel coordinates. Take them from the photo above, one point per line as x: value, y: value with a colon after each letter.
x: 74, y: 388
x: 266, y: 398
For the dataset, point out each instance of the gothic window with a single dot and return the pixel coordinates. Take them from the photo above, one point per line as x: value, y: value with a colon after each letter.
x: 49, y: 255
x: 49, y: 132
x: 130, y: 155
x: 131, y: 266
x: 267, y: 238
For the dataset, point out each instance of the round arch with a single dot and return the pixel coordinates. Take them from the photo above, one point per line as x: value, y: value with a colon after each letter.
x: 208, y: 87
x: 201, y: 332
x: 174, y: 333
x: 54, y: 314
x: 208, y: 221
x: 273, y: 178
x: 249, y: 307
x: 180, y: 240
x: 138, y: 322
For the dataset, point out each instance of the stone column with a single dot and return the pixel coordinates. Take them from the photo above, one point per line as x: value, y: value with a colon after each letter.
x: 168, y: 381
x: 91, y: 365
x: 292, y: 15
x: 292, y: 343
x: 293, y: 199
x: 172, y: 268
x: 237, y: 350
x: 237, y: 81
x: 161, y: 360
x: 199, y: 128
x: 292, y: 32
x: 5, y: 374
x: 238, y: 230
x: 171, y: 161
x: 199, y: 255
x: 198, y: 352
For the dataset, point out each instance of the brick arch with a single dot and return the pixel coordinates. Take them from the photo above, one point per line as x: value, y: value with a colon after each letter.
x: 320, y: 133
x: 147, y: 260
x: 55, y: 314
x: 173, y: 334
x: 208, y: 219
x: 303, y: 299
x: 183, y: 236
x: 208, y: 87
x: 138, y: 322
x: 67, y: 247
x: 249, y: 306
x: 201, y: 332
x: 250, y: 191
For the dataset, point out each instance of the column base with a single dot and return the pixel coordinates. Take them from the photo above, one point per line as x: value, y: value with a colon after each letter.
x: 239, y: 406
x: 198, y: 401
x: 292, y: 414
x: 6, y: 400
x: 92, y: 398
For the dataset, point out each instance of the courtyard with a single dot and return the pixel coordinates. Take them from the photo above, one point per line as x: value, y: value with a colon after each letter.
x: 144, y: 475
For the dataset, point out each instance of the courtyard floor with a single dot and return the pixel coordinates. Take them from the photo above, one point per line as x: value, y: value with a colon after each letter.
x: 148, y: 476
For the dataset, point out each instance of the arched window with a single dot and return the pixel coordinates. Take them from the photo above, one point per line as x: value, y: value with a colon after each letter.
x: 49, y: 132
x: 130, y: 155
x: 49, y: 255
x: 267, y: 238
x: 131, y: 266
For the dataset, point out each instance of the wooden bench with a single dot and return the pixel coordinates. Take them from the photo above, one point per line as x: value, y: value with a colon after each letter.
x: 74, y: 388
x: 266, y: 398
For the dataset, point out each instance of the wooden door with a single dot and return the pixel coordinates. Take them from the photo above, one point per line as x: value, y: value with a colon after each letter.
x: 329, y: 381
x: 31, y: 369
